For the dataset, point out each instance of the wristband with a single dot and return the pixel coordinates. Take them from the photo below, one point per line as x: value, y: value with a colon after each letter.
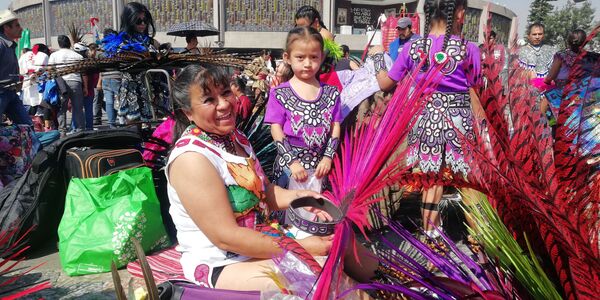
x: 331, y: 147
x: 284, y: 149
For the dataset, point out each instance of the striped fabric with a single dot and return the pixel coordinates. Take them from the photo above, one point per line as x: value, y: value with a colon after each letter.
x: 164, y: 264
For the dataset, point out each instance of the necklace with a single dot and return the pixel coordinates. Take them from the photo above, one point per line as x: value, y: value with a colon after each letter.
x: 225, y: 142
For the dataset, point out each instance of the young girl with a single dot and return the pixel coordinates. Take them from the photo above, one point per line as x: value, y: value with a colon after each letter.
x: 304, y: 114
x: 434, y: 143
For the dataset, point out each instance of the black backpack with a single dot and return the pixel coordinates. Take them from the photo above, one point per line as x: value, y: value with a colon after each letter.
x: 31, y: 207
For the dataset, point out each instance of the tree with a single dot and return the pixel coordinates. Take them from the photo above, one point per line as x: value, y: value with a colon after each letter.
x: 539, y: 11
x: 563, y: 21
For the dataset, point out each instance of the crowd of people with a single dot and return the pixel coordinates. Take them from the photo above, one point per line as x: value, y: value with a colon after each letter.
x: 218, y: 191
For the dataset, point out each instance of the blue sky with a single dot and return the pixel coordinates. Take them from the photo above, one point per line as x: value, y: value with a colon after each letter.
x: 520, y: 7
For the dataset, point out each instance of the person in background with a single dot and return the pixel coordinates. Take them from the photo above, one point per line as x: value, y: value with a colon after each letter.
x: 536, y: 56
x: 192, y: 45
x: 109, y: 82
x: 10, y: 104
x: 41, y: 55
x: 405, y: 35
x: 26, y: 55
x: 244, y: 105
x: 137, y: 26
x: 76, y: 88
x: 310, y: 16
x: 90, y: 100
x: 345, y: 63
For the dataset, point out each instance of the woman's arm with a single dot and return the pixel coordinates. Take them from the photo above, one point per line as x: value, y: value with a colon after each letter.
x: 554, y: 70
x: 204, y: 197
x: 385, y: 82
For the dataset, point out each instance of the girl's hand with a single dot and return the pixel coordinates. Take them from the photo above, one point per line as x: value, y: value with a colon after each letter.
x: 298, y: 172
x: 317, y: 245
x: 323, y: 167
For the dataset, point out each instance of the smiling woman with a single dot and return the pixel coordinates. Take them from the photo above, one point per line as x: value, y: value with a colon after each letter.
x: 220, y: 197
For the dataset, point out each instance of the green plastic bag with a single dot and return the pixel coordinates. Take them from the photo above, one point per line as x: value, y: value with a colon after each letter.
x: 102, y: 215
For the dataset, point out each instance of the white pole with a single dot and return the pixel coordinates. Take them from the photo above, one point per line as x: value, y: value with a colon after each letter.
x: 47, y: 24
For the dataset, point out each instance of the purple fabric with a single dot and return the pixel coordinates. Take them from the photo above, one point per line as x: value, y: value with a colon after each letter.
x: 182, y: 290
x: 305, y: 123
x: 462, y: 71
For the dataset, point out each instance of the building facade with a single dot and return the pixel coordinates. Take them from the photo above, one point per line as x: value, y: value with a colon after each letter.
x: 248, y: 23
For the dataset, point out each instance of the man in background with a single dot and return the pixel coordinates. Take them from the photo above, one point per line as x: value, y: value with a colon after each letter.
x: 536, y: 56
x: 405, y: 35
x: 10, y: 104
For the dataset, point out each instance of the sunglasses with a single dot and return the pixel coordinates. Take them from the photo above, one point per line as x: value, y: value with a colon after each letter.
x: 140, y: 21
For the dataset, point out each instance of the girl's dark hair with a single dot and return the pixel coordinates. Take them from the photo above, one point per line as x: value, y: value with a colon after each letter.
x: 442, y: 10
x: 130, y: 16
x: 576, y: 39
x: 205, y: 79
x: 311, y: 13
x: 302, y: 33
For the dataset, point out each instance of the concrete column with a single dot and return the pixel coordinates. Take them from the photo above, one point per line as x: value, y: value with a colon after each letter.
x: 421, y: 11
x: 483, y: 23
x: 117, y: 8
x: 219, y: 12
x: 47, y: 22
x: 328, y: 14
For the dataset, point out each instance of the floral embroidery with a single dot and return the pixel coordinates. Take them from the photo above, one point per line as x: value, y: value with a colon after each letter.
x: 456, y: 51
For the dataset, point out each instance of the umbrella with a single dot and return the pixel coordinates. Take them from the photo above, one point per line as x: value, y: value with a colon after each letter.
x: 192, y: 28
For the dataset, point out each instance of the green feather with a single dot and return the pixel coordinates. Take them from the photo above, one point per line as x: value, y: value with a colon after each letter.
x: 332, y: 49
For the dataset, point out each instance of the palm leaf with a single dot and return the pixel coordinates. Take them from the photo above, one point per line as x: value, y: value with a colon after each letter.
x: 499, y: 244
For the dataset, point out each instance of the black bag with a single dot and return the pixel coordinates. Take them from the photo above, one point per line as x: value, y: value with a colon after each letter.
x: 36, y: 200
x: 94, y: 163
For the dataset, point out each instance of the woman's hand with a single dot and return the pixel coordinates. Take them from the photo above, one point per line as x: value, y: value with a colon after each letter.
x: 323, y: 167
x: 317, y: 245
x: 298, y: 172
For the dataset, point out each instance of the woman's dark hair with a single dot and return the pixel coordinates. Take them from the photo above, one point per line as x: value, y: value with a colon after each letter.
x: 205, y: 79
x: 42, y: 48
x: 310, y: 13
x: 302, y: 33
x: 576, y: 40
x: 442, y: 10
x: 130, y: 16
